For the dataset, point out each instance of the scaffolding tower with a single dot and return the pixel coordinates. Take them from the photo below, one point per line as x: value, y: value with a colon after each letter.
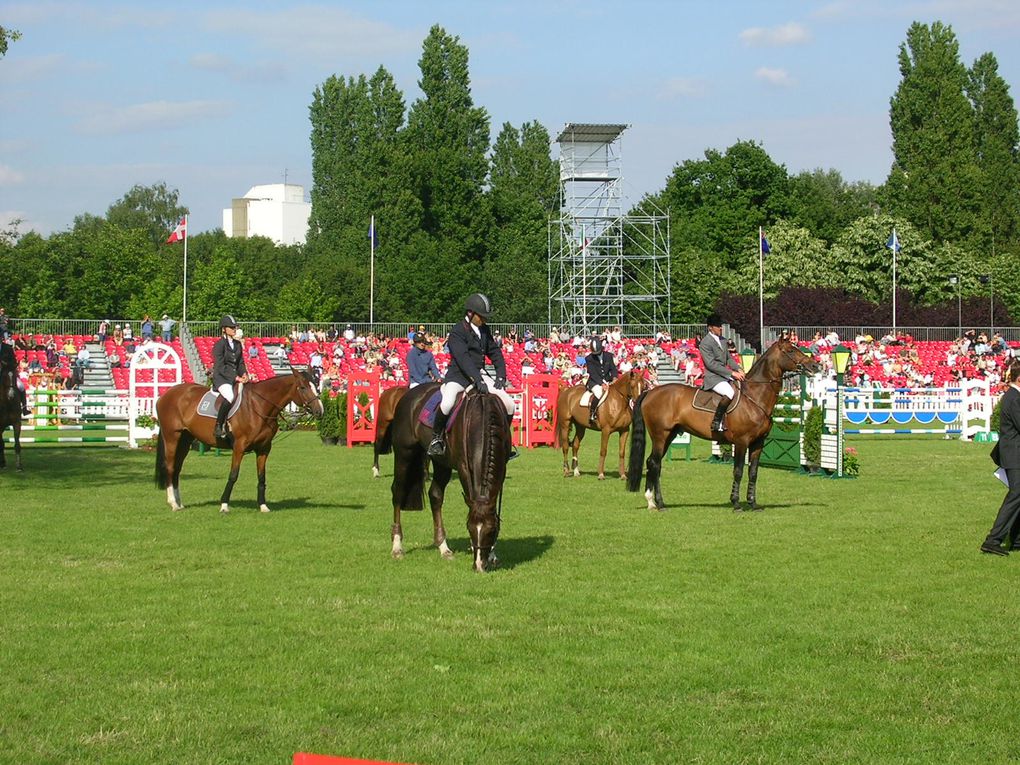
x: 605, y: 268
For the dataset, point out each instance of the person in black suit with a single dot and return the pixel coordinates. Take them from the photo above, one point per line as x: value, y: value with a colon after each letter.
x: 228, y: 368
x: 601, y: 371
x: 470, y: 343
x: 1006, y: 454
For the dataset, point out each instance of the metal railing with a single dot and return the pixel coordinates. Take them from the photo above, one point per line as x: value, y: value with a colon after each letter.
x: 923, y: 334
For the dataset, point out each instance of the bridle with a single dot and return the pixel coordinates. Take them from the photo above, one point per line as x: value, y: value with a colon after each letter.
x: 275, y: 409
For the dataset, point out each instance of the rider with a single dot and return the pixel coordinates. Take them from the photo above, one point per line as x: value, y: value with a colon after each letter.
x: 228, y: 368
x: 9, y: 360
x: 470, y: 342
x: 601, y: 371
x: 720, y: 369
x: 421, y: 364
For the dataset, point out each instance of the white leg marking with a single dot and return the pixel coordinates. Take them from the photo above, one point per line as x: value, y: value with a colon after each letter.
x: 263, y: 508
x: 650, y: 498
x: 224, y: 508
x: 445, y: 551
x: 398, y: 550
x: 375, y: 471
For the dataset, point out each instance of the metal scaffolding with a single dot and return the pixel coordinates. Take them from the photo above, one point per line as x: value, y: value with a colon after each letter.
x: 605, y: 268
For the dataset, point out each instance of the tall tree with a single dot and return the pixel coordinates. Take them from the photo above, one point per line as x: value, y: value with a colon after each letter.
x: 934, y: 178
x: 448, y: 139
x: 153, y: 209
x: 997, y: 148
x: 825, y: 204
x: 523, y: 193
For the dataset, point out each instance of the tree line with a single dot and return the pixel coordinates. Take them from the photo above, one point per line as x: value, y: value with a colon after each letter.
x: 456, y: 212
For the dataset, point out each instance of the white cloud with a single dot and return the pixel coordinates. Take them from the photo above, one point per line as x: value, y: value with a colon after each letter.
x: 17, y: 70
x: 790, y: 33
x: 777, y: 77
x: 681, y: 87
x: 154, y: 115
x: 9, y: 176
x: 261, y: 73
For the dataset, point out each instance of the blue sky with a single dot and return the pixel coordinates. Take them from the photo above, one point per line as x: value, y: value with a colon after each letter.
x: 212, y: 97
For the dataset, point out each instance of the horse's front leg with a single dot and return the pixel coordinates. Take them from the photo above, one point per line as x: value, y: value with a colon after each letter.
x: 578, y: 436
x: 752, y: 473
x: 653, y: 482
x: 624, y: 434
x: 260, y: 466
x: 235, y: 469
x: 437, y: 491
x: 738, y: 475
x: 603, y: 450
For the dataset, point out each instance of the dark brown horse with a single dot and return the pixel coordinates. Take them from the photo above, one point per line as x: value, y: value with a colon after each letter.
x: 388, y: 401
x: 253, y: 428
x: 667, y: 411
x: 10, y: 403
x: 476, y: 447
x: 613, y: 417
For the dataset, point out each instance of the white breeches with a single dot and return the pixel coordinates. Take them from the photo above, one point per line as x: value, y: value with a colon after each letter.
x: 724, y: 389
x: 227, y: 391
x: 451, y: 389
x: 596, y: 391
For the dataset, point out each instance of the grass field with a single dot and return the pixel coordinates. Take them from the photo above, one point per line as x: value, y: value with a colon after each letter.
x: 852, y: 621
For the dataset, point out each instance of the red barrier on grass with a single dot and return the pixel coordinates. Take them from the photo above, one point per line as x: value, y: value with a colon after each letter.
x: 362, y: 407
x: 303, y: 758
x: 540, y: 397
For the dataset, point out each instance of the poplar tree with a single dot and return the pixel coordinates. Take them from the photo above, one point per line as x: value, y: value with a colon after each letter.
x: 934, y: 178
x: 996, y: 145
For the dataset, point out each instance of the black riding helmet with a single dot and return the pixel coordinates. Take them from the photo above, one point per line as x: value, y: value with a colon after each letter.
x: 597, y: 345
x: 228, y: 321
x: 478, y: 303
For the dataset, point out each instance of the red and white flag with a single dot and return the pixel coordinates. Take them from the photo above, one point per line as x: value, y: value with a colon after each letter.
x: 180, y: 233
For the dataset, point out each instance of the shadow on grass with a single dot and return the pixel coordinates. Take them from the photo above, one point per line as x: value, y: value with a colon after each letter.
x: 512, y: 552
x: 246, y: 504
x: 725, y: 505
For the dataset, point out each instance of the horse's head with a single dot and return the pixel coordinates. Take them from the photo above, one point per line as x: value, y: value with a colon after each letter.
x: 788, y: 358
x: 304, y: 392
x: 483, y: 529
x: 636, y: 384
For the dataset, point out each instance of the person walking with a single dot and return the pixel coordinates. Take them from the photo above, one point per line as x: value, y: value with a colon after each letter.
x: 470, y: 343
x: 228, y: 368
x: 721, y: 369
x: 1006, y: 455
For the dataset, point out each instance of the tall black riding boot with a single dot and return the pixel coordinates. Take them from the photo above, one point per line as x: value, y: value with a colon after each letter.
x: 513, y: 453
x: 720, y: 412
x: 24, y: 402
x: 593, y: 406
x: 438, y: 446
x: 221, y: 421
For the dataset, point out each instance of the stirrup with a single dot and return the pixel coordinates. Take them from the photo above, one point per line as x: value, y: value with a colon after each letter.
x: 437, y: 447
x: 514, y: 454
x: 718, y: 426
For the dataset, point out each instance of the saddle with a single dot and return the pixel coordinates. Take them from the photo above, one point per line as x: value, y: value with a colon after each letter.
x: 427, y: 416
x: 209, y: 405
x: 708, y: 400
x: 586, y: 397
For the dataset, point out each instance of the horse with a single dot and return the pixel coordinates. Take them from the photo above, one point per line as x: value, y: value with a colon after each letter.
x: 10, y: 403
x: 613, y: 417
x: 253, y: 427
x: 476, y: 446
x: 388, y: 401
x: 668, y: 410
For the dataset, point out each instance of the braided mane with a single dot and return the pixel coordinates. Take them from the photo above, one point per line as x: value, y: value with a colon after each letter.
x: 485, y: 481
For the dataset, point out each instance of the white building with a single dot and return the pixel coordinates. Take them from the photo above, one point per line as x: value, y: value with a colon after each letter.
x: 277, y: 211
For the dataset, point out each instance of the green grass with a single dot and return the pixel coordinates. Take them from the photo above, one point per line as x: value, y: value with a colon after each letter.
x: 853, y: 621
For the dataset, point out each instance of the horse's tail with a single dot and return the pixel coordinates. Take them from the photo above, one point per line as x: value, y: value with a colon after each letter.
x: 637, y: 445
x: 162, y: 477
x: 385, y: 441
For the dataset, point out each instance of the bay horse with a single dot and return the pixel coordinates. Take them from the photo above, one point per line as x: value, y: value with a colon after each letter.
x: 253, y: 427
x: 477, y: 446
x: 388, y: 401
x: 667, y: 411
x: 10, y: 403
x: 613, y: 417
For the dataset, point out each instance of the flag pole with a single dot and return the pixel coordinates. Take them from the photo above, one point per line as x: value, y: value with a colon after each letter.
x: 761, y: 292
x: 895, y: 247
x: 184, y: 312
x: 371, y: 275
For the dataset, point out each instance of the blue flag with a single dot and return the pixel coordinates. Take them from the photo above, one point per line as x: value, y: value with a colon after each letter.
x: 373, y: 235
x: 894, y: 242
x: 765, y: 245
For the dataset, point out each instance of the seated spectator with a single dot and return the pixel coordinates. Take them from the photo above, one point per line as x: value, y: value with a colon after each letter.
x: 128, y: 334
x: 349, y: 334
x: 34, y: 367
x: 84, y: 359
x: 69, y: 351
x: 554, y: 336
x: 118, y: 336
x: 527, y: 367
x: 253, y: 351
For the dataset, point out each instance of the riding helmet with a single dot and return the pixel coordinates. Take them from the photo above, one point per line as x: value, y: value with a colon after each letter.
x: 596, y: 345
x: 714, y: 320
x: 228, y: 321
x: 478, y: 303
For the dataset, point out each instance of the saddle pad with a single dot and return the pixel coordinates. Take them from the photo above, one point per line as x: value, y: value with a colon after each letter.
x: 209, y: 405
x: 707, y: 400
x: 427, y: 416
x: 586, y: 397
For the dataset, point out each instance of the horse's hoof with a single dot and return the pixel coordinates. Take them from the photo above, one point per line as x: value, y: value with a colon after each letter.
x: 263, y: 508
x: 756, y: 508
x: 738, y: 509
x: 446, y: 554
x: 602, y: 476
x: 375, y: 472
x: 398, y: 554
x: 224, y: 508
x: 577, y: 473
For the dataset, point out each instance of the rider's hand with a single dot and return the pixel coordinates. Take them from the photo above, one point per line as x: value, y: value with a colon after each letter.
x: 738, y: 375
x: 480, y: 386
x: 500, y: 383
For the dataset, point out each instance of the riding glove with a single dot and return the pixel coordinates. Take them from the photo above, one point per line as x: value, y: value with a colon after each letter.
x: 480, y: 386
x: 501, y: 383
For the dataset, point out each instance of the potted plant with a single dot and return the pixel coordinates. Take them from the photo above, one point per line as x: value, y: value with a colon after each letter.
x: 813, y: 424
x: 329, y: 423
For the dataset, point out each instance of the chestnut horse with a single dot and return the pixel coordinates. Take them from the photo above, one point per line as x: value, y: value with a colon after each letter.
x: 667, y: 411
x: 388, y: 401
x: 253, y: 427
x: 613, y: 417
x: 10, y: 402
x: 476, y: 447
